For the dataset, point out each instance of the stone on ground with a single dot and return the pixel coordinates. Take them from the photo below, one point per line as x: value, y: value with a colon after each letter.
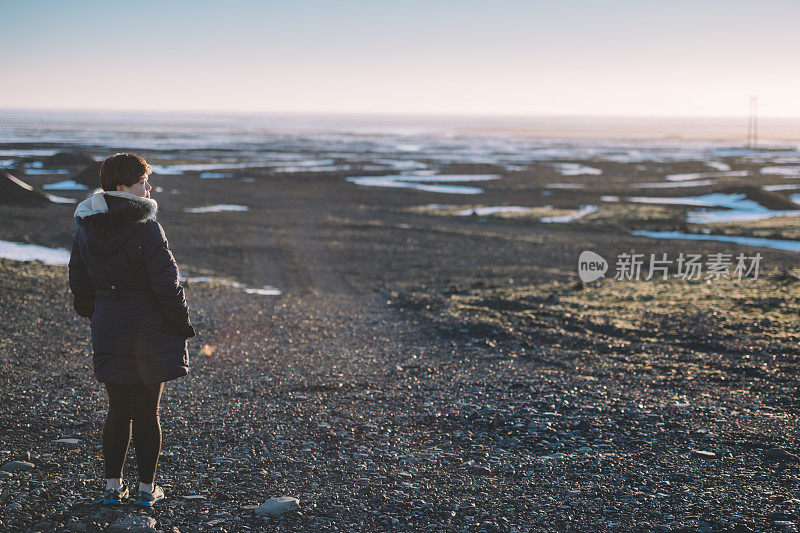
x: 278, y: 506
x: 13, y: 466
x: 777, y: 454
x: 134, y: 524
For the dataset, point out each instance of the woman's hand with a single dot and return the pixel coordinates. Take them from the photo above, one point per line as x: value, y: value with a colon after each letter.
x: 83, y: 306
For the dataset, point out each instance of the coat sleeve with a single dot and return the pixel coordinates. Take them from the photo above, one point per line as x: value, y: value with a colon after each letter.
x: 80, y: 283
x: 163, y: 273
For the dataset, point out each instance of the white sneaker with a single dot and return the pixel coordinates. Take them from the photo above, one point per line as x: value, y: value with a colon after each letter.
x: 147, y: 499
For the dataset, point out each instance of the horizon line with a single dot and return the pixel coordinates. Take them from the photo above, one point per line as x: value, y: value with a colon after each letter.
x: 416, y: 114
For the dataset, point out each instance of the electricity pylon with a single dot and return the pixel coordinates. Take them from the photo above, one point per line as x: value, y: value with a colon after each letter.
x: 752, y: 123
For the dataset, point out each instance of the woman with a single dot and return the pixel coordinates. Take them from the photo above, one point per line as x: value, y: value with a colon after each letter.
x: 124, y: 277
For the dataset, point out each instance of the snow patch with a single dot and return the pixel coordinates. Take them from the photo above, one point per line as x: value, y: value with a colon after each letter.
x: 699, y: 175
x: 722, y: 167
x: 781, y: 171
x: 321, y: 168
x: 673, y: 184
x: 491, y: 210
x: 266, y: 290
x: 216, y: 208
x: 216, y: 175
x: 734, y: 207
x: 19, y: 251
x: 60, y: 199
x: 777, y: 244
x: 785, y: 187
x: 44, y: 172
x: 421, y: 182
x: 576, y: 169
x: 26, y: 153
x: 580, y: 213
x: 68, y: 185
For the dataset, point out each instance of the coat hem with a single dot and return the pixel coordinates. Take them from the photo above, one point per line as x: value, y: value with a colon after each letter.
x: 161, y: 379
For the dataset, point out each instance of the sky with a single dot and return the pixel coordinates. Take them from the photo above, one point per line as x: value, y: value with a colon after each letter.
x: 571, y: 57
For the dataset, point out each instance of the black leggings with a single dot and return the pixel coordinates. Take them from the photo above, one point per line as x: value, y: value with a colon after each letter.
x: 136, y: 403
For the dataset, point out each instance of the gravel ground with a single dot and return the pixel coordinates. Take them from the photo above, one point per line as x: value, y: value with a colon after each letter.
x: 420, y: 373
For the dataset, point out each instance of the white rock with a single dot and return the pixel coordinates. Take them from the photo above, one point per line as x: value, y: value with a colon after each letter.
x: 134, y: 523
x: 68, y: 441
x: 13, y: 466
x: 704, y: 454
x: 278, y: 506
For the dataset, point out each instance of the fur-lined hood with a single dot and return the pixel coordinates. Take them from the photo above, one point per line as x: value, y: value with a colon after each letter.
x: 107, y: 219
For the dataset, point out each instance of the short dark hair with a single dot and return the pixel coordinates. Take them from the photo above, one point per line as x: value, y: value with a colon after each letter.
x: 123, y: 169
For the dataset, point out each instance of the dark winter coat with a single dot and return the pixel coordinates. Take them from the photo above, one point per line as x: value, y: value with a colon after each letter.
x: 123, y: 276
